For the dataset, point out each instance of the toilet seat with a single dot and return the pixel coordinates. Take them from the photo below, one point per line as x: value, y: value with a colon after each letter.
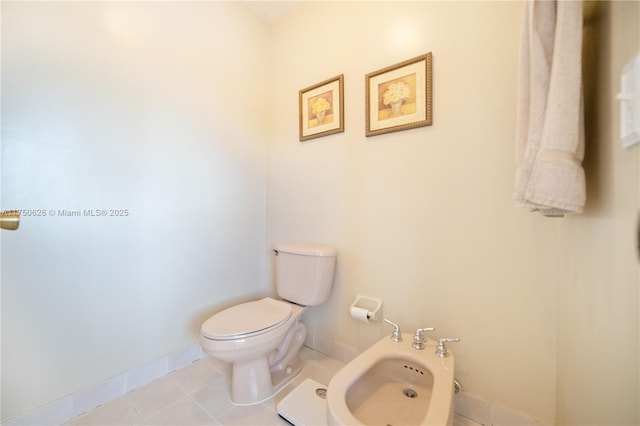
x: 247, y: 319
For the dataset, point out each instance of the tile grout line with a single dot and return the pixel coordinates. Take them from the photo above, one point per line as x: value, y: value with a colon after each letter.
x: 190, y: 394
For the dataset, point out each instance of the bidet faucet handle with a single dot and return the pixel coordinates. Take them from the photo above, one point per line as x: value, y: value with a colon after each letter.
x: 396, y: 336
x: 441, y: 349
x: 418, y: 338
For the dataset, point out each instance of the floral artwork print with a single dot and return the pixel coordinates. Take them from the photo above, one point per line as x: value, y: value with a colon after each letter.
x: 321, y: 108
x: 321, y: 112
x: 320, y: 105
x: 396, y: 92
x: 397, y: 97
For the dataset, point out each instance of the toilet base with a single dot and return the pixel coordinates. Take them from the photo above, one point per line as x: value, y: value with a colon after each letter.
x: 259, y: 384
x: 282, y: 378
x: 257, y: 380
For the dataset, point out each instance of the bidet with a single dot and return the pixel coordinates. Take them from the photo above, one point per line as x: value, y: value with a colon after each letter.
x: 391, y: 383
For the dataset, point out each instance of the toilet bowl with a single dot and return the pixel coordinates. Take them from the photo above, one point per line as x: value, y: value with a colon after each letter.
x: 391, y: 383
x: 262, y: 338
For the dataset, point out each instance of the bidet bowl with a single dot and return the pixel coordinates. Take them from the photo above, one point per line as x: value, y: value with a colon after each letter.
x: 393, y: 384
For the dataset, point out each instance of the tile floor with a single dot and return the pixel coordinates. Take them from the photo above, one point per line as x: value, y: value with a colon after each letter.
x: 198, y: 395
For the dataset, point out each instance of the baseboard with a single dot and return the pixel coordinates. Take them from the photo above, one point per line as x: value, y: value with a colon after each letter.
x: 488, y: 413
x: 70, y: 406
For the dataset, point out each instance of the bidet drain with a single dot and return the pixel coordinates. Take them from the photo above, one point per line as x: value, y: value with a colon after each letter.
x: 409, y: 393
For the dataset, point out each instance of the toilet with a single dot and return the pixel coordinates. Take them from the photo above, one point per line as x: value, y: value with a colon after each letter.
x: 262, y: 338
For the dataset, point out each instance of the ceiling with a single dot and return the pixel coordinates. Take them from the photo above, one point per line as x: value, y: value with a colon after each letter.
x: 270, y: 10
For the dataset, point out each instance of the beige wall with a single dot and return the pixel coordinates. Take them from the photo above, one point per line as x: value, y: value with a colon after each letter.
x: 598, y: 322
x: 424, y: 220
x: 139, y: 106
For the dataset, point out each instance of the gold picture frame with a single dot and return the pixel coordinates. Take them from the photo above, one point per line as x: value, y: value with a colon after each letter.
x: 399, y: 97
x: 322, y: 108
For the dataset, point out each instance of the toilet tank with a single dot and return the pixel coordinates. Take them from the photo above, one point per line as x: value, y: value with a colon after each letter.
x: 304, y: 272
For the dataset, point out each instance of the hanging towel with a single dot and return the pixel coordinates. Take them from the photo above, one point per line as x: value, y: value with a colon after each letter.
x: 550, y: 123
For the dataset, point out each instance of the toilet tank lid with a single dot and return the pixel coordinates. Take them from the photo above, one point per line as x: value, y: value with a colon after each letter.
x: 305, y: 249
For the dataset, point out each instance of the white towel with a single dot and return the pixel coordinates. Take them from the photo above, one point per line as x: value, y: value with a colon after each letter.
x: 550, y: 128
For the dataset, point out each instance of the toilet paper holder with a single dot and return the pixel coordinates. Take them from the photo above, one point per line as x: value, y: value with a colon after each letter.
x: 371, y: 305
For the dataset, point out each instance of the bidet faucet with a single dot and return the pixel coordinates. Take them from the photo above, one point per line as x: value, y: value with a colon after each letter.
x: 396, y: 336
x: 418, y: 338
x: 441, y: 349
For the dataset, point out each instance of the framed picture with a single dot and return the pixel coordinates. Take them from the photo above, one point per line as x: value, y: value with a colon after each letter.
x: 322, y: 109
x: 399, y: 97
